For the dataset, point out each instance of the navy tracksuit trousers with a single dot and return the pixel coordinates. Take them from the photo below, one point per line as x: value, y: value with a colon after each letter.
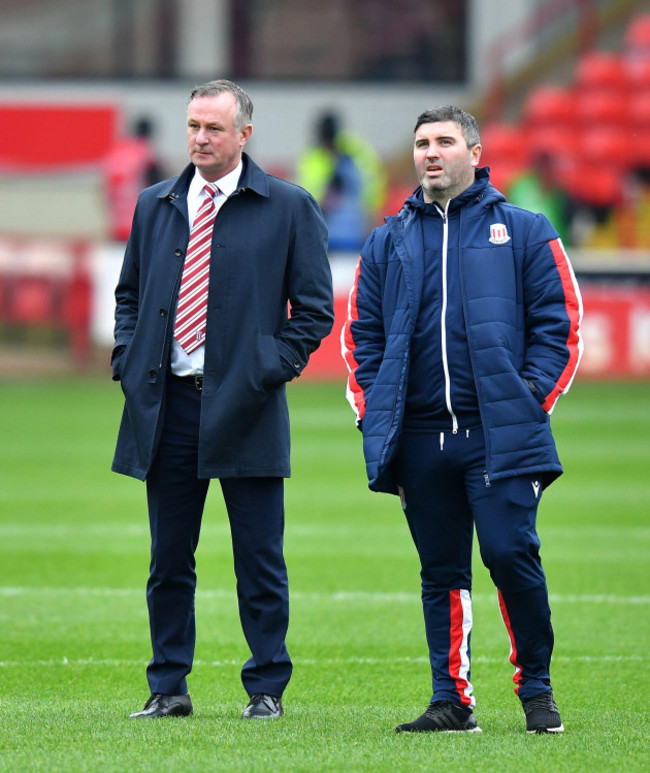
x: 445, y: 493
x: 255, y: 506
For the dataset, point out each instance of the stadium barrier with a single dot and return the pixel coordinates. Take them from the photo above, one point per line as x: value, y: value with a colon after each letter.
x: 615, y: 330
x: 69, y: 286
x: 616, y: 334
x: 47, y: 285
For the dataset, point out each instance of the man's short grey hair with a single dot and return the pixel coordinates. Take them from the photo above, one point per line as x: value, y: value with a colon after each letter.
x: 465, y: 121
x: 244, y: 114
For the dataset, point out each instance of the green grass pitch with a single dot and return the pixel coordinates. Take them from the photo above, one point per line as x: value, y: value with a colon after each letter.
x: 74, y: 633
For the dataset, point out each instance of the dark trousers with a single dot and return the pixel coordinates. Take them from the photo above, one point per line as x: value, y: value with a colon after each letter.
x: 255, y: 506
x: 444, y: 495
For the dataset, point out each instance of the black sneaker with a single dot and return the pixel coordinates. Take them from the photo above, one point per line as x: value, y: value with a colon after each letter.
x: 542, y: 715
x: 262, y: 706
x: 442, y: 716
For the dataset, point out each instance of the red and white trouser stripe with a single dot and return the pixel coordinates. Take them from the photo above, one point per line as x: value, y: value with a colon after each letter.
x: 460, y: 605
x: 513, y: 645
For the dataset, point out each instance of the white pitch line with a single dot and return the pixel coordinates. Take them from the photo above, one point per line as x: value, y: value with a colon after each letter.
x: 114, y: 663
x: 316, y: 596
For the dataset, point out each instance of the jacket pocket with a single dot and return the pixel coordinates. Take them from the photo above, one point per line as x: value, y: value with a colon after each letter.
x: 532, y: 393
x: 273, y: 369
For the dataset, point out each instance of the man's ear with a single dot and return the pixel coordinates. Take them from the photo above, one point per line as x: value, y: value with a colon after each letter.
x: 246, y: 134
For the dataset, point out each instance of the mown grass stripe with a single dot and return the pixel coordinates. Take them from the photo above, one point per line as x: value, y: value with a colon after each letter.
x: 317, y: 596
x: 298, y: 661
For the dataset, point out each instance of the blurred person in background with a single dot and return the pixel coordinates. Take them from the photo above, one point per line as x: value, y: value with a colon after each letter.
x: 203, y: 348
x: 131, y: 165
x: 463, y: 331
x: 346, y: 177
x: 632, y: 218
x: 539, y: 189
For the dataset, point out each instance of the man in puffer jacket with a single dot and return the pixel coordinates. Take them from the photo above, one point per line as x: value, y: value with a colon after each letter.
x: 463, y: 331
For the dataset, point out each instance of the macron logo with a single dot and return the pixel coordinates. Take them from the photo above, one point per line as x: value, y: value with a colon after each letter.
x: 536, y: 488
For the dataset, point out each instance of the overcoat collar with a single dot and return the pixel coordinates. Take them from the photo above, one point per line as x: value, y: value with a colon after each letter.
x: 252, y: 178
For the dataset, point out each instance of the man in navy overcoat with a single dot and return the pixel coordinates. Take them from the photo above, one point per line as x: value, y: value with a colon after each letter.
x: 219, y: 411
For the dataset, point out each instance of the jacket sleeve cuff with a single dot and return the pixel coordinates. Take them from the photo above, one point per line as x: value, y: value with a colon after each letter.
x: 290, y: 361
x: 116, y: 362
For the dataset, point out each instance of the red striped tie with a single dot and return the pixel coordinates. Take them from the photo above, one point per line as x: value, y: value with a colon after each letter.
x: 192, y: 310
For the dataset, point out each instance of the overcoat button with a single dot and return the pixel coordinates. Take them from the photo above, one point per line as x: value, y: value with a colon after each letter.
x: 163, y: 312
x: 178, y: 252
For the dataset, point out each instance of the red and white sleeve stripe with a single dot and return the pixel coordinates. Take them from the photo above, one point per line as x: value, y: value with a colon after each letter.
x: 354, y: 392
x: 574, y: 343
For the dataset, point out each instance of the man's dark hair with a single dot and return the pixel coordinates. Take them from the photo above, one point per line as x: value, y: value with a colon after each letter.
x: 465, y: 121
x: 214, y: 88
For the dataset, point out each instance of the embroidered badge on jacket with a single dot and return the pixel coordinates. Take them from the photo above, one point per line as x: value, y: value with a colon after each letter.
x: 499, y: 233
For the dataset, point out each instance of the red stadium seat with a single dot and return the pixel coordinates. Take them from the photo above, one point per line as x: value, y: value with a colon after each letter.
x: 557, y: 140
x: 637, y: 33
x: 637, y: 72
x: 503, y: 142
x: 605, y: 148
x: 638, y: 111
x: 600, y: 71
x: 594, y: 186
x: 608, y: 108
x: 636, y: 53
x: 638, y: 149
x: 549, y: 105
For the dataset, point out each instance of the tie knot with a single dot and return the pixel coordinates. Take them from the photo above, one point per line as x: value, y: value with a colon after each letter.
x: 210, y: 190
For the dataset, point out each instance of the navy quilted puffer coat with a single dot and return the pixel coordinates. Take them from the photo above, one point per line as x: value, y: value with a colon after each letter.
x: 522, y: 311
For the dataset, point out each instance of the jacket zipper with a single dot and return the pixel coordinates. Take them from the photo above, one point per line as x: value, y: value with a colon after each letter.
x: 443, y: 321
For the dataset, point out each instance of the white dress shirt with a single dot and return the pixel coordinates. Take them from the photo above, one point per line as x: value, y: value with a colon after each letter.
x: 182, y: 363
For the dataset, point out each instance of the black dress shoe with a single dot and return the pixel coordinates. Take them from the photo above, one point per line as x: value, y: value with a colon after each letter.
x: 160, y: 705
x: 263, y: 706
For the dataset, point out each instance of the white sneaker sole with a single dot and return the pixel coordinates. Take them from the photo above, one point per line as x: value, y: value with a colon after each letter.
x: 544, y: 730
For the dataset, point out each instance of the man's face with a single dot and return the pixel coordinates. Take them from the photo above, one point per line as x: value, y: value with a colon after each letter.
x: 214, y: 143
x: 443, y: 162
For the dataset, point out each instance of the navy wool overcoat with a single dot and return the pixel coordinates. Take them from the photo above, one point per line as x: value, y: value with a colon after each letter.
x: 270, y: 305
